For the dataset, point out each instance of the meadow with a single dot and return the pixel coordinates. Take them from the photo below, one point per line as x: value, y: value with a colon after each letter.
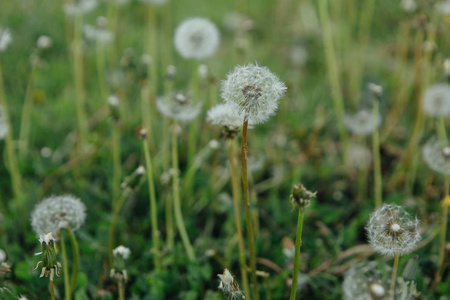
x: 268, y: 149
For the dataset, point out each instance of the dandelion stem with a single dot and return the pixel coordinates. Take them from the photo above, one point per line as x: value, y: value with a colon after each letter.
x: 237, y: 215
x: 112, y: 228
x: 116, y: 162
x: 443, y: 237
x: 193, y: 128
x: 176, y: 196
x: 76, y: 258
x: 52, y: 291
x: 394, y: 275
x: 298, y: 243
x: 25, y: 120
x: 248, y: 213
x: 65, y: 269
x: 333, y: 75
x: 121, y: 289
x: 153, y: 207
x: 376, y: 157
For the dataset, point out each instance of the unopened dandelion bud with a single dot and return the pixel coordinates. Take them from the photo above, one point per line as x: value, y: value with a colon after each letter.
x: 134, y: 180
x: 50, y: 264
x: 376, y: 89
x: 301, y: 196
x: 229, y: 286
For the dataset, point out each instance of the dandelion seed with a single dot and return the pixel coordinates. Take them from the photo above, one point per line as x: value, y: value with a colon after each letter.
x: 55, y: 212
x: 366, y: 281
x: 5, y: 39
x: 3, y: 125
x: 361, y: 123
x: 436, y: 100
x: 392, y: 231
x: 229, y: 286
x: 196, y: 38
x: 80, y: 8
x: 178, y: 106
x: 437, y: 156
x: 253, y: 91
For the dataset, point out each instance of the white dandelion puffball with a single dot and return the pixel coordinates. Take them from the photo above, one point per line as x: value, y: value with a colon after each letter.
x: 196, y: 38
x: 80, y: 8
x: 224, y: 115
x: 253, y: 91
x: 178, y: 106
x: 436, y: 100
x: 361, y: 123
x: 122, y: 251
x: 44, y: 42
x: 437, y: 156
x: 98, y: 34
x: 366, y: 281
x: 55, y: 212
x: 5, y: 39
x: 391, y: 230
x: 3, y: 126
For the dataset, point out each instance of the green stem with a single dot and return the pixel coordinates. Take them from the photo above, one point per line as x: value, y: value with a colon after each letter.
x: 248, y: 213
x: 443, y: 237
x: 333, y: 74
x: 193, y: 127
x: 52, y: 291
x: 153, y: 207
x: 112, y: 228
x: 100, y: 60
x: 76, y: 258
x: 176, y: 196
x: 121, y: 289
x: 394, y: 275
x: 298, y: 243
x: 376, y: 157
x: 267, y: 285
x: 65, y: 269
x: 237, y: 216
x: 11, y: 159
x: 117, y: 170
x: 25, y: 120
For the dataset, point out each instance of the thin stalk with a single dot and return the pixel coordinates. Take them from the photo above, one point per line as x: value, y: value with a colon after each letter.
x: 153, y: 207
x: 52, y: 291
x: 147, y: 115
x: 298, y: 243
x: 394, y: 275
x: 237, y: 216
x: 443, y: 237
x: 333, y: 74
x: 376, y: 157
x: 193, y: 127
x: 112, y: 227
x: 121, y: 289
x: 117, y: 169
x: 176, y: 196
x: 267, y: 285
x: 11, y: 159
x: 100, y: 62
x: 25, y: 120
x: 76, y: 258
x: 152, y: 48
x: 248, y: 212
x: 65, y: 268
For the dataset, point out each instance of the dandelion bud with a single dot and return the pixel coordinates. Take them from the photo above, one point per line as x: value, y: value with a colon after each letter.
x: 301, y: 196
x: 120, y: 255
x: 5, y: 39
x: 50, y: 265
x: 376, y: 89
x: 113, y: 102
x: 391, y: 230
x: 141, y: 131
x: 229, y: 286
x: 411, y: 269
x: 44, y: 42
x: 134, y: 180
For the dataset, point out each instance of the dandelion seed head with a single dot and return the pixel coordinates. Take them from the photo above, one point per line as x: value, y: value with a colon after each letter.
x: 123, y: 251
x: 436, y: 100
x: 55, y: 212
x: 361, y: 123
x: 5, y: 38
x: 196, y: 38
x: 436, y: 155
x: 361, y: 156
x: 391, y: 230
x: 253, y: 91
x: 98, y: 34
x: 44, y: 42
x: 443, y: 7
x: 178, y: 106
x: 80, y: 8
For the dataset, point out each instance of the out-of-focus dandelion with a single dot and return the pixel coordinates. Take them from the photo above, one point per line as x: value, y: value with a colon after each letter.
x: 224, y: 115
x: 443, y: 7
x: 44, y: 42
x: 366, y: 281
x: 178, y: 106
x: 5, y: 38
x: 361, y: 123
x: 409, y: 5
x: 361, y: 156
x: 253, y: 91
x: 229, y: 286
x: 56, y: 212
x: 80, y: 7
x: 98, y: 34
x: 154, y: 2
x: 2, y: 255
x: 4, y: 129
x: 436, y: 100
x: 299, y: 55
x: 196, y: 38
x: 436, y: 154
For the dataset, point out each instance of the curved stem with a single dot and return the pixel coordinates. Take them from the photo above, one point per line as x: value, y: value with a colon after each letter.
x: 65, y: 269
x: 153, y: 206
x: 394, y: 275
x: 176, y: 196
x: 248, y: 213
x: 76, y: 258
x: 298, y: 243
x: 237, y: 216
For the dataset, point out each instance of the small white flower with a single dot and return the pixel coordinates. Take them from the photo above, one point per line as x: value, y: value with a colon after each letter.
x: 178, y: 106
x: 55, y: 212
x: 3, y: 126
x: 436, y: 100
x: 80, y: 8
x: 5, y: 39
x: 391, y: 230
x: 196, y: 38
x: 253, y: 91
x: 437, y: 156
x: 123, y: 251
x: 361, y: 123
x: 44, y: 42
